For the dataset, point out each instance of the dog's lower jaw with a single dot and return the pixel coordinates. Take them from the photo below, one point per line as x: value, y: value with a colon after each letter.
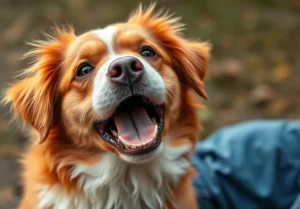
x: 137, y: 159
x: 113, y: 183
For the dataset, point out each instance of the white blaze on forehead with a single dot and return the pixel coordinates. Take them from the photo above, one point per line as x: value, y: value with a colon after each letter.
x: 106, y: 95
x: 106, y: 35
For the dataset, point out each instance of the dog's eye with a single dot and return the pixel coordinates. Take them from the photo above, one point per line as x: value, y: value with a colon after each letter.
x: 83, y: 70
x: 148, y: 52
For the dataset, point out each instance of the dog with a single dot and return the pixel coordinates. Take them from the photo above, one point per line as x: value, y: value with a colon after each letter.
x: 114, y: 115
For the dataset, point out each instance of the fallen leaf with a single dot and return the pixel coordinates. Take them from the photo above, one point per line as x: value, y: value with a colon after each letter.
x: 278, y: 107
x: 281, y: 72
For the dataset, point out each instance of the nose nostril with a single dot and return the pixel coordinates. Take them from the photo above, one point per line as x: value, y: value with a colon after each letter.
x: 115, y: 71
x: 137, y: 65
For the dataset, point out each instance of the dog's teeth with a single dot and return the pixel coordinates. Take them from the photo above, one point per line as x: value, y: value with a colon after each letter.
x: 153, y: 120
x: 155, y: 132
x: 114, y: 133
x: 124, y: 141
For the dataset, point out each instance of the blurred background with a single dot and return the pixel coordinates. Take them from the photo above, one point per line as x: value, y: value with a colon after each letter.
x: 254, y: 72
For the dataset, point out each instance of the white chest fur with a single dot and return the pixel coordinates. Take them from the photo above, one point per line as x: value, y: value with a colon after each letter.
x: 114, y: 184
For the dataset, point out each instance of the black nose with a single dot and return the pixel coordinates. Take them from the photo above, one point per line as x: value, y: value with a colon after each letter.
x: 125, y: 70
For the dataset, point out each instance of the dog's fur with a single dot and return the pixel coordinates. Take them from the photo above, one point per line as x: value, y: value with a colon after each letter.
x: 67, y: 164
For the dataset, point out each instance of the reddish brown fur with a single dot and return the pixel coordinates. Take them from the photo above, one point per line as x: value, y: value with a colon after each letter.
x: 45, y: 96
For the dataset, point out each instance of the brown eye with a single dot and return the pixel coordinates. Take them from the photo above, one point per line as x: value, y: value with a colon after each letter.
x: 148, y: 52
x: 83, y: 70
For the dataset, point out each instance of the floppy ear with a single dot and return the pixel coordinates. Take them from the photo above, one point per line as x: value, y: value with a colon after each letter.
x: 33, y: 97
x: 191, y: 61
x: 189, y: 58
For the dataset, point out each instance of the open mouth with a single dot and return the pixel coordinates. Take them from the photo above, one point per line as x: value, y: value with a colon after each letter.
x: 135, y: 127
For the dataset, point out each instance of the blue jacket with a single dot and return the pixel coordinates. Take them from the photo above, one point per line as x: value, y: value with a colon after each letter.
x: 253, y: 165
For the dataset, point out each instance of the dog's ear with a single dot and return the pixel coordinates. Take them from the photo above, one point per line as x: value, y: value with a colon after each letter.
x: 190, y: 62
x: 189, y: 58
x: 33, y: 96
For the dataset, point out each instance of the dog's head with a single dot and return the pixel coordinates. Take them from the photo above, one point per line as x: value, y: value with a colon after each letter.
x: 112, y: 89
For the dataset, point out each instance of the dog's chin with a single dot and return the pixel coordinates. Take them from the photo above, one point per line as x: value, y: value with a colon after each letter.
x: 143, y: 158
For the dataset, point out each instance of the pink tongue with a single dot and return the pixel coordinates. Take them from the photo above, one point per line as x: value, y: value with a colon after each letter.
x: 135, y: 127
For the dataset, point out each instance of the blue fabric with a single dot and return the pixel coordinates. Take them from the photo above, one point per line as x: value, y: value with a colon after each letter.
x: 252, y: 165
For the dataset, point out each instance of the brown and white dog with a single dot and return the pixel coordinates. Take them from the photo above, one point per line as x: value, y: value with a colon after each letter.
x: 115, y: 116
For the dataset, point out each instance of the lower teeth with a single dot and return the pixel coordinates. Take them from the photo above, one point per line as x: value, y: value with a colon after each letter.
x: 153, y: 120
x: 114, y: 133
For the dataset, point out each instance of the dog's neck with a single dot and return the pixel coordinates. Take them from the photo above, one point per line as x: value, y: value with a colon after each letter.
x: 113, y: 183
